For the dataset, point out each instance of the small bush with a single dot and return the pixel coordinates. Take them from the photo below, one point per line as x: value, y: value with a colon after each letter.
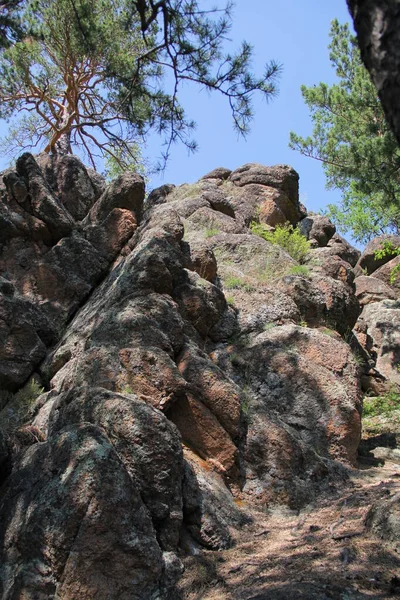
x: 299, y: 270
x: 287, y: 237
x: 236, y: 283
x: 381, y: 405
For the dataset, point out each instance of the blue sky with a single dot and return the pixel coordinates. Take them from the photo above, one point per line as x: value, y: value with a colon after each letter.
x: 293, y: 33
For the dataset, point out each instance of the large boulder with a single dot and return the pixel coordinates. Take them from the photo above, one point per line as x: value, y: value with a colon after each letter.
x: 318, y: 229
x: 74, y: 524
x: 370, y: 289
x: 378, y: 331
x: 71, y: 181
x: 384, y: 273
x: 303, y: 407
x: 368, y: 261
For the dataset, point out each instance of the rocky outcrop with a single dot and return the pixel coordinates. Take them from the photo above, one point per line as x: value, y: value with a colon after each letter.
x: 191, y: 369
x: 53, y: 261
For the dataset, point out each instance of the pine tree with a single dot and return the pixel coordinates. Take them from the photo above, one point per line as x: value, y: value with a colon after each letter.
x: 91, y: 75
x: 351, y: 137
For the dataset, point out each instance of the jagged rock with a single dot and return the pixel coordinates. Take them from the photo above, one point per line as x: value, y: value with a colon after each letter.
x: 303, y: 406
x: 275, y: 208
x: 200, y: 258
x: 247, y: 267
x: 381, y: 323
x: 5, y: 462
x: 127, y: 191
x: 207, y: 219
x: 209, y: 508
x: 74, y: 524
x: 384, y: 274
x: 317, y: 228
x: 113, y: 233
x: 369, y: 289
x: 368, y: 263
x: 337, y: 247
x: 340, y: 247
x: 49, y: 259
x: 71, y: 182
x: 25, y: 333
x: 159, y: 195
x: 42, y: 202
x: 145, y: 345
x: 219, y: 201
x: 200, y: 302
x: 322, y: 300
x: 331, y: 265
x: 147, y: 444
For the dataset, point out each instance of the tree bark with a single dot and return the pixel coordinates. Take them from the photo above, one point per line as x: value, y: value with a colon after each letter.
x: 63, y: 144
x: 377, y: 23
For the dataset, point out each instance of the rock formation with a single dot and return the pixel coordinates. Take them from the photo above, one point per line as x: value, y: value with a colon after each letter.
x: 189, y: 367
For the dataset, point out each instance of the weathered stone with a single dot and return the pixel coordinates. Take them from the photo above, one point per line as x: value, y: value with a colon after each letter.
x: 208, y: 506
x: 200, y: 302
x: 318, y: 228
x: 218, y: 173
x: 200, y: 258
x: 74, y: 524
x: 331, y: 265
x: 25, y: 333
x: 70, y: 181
x: 43, y: 203
x: 304, y: 402
x: 368, y: 263
x: 219, y: 201
x: 207, y: 219
x: 159, y: 195
x: 381, y: 321
x: 127, y: 191
x: 385, y: 271
x: 370, y: 289
x: 322, y: 300
x: 147, y: 444
x: 340, y: 247
x: 279, y: 176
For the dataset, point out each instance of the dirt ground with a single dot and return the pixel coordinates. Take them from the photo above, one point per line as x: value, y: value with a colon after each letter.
x: 323, y: 552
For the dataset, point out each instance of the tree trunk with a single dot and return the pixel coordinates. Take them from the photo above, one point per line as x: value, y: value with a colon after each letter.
x: 377, y: 23
x: 63, y: 144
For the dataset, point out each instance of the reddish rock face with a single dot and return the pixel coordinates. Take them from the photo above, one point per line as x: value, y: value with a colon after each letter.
x: 368, y: 262
x: 154, y: 327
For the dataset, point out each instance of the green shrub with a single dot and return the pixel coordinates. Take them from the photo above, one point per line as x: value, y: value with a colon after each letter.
x: 287, y: 237
x: 299, y: 270
x: 381, y: 405
x: 236, y: 283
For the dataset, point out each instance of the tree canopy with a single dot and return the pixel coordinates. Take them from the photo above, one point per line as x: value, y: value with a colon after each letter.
x: 11, y: 28
x: 98, y: 75
x: 352, y: 139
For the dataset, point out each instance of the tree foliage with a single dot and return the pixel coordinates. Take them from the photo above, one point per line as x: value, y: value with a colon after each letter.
x: 351, y: 137
x: 99, y: 75
x: 11, y: 28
